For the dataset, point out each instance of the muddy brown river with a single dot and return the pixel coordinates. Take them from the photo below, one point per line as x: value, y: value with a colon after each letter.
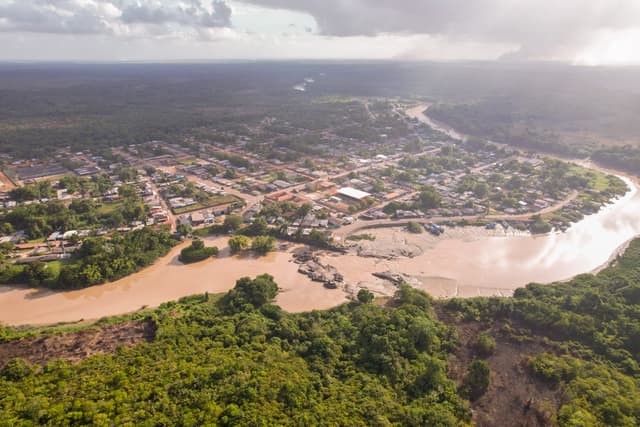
x: 479, y: 263
x: 168, y: 279
x: 460, y: 263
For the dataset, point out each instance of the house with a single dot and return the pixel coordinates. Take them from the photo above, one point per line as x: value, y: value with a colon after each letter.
x: 69, y: 234
x: 197, y: 218
x: 220, y: 210
x: 281, y: 184
x: 541, y: 204
x: 280, y: 197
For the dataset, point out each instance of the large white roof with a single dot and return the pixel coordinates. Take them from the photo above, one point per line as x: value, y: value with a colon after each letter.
x: 353, y: 193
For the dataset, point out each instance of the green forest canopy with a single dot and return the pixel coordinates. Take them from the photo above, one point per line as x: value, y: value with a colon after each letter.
x: 239, y: 359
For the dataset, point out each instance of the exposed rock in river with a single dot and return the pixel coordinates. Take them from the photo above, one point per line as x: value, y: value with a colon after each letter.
x: 389, y: 251
x: 318, y: 272
x: 395, y: 278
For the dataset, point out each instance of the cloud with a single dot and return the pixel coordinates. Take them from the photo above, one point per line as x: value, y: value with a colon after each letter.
x: 60, y: 16
x: 538, y: 28
x: 113, y: 17
x: 191, y: 13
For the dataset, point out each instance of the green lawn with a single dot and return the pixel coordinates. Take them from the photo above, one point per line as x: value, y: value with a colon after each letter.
x: 106, y: 208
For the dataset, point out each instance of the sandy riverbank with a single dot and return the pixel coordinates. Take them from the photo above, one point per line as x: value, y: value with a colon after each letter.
x: 473, y: 261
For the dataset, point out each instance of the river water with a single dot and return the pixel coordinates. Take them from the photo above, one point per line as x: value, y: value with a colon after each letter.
x: 456, y: 264
x: 168, y: 279
x: 470, y: 264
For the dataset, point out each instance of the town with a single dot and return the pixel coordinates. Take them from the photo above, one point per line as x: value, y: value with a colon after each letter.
x: 366, y: 162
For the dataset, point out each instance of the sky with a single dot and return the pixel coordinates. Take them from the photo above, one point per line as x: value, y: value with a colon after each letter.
x: 585, y: 32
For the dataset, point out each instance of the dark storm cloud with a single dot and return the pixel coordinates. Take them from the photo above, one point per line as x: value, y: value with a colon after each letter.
x: 54, y: 16
x: 104, y: 16
x: 538, y: 27
x: 190, y: 13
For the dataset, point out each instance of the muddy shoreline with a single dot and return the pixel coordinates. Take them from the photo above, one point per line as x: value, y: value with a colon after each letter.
x: 464, y: 262
x: 430, y: 263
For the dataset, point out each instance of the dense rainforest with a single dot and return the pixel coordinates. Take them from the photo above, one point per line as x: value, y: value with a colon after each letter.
x: 498, y: 120
x: 562, y: 354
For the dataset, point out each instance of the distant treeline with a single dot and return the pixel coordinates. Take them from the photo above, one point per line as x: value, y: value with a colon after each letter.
x: 524, y: 128
x: 102, y: 105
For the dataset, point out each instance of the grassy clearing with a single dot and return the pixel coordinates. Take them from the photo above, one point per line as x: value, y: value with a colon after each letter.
x: 212, y: 202
x: 597, y: 180
x: 106, y: 208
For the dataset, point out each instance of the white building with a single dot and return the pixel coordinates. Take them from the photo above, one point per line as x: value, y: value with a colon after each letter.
x: 353, y: 193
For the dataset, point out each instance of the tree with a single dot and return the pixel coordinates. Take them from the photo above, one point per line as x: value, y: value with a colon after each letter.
x: 37, y: 273
x: 197, y: 251
x: 303, y: 210
x: 318, y: 238
x: 365, y: 296
x: 239, y: 243
x: 28, y: 192
x: 74, y: 239
x: 6, y: 228
x: 414, y: 227
x: 539, y: 225
x: 429, y: 198
x: 82, y: 206
x: 257, y: 228
x: 249, y: 293
x: 309, y: 164
x: 481, y: 190
x: 113, y: 219
x: 477, y: 380
x: 485, y: 345
x: 263, y: 244
x: 232, y: 222
x: 127, y: 191
x: 184, y: 229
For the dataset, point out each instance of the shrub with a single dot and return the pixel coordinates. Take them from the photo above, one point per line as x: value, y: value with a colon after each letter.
x: 239, y: 243
x: 477, y: 380
x: 365, y: 296
x: 197, y: 251
x: 414, y: 227
x: 485, y: 345
x: 263, y: 244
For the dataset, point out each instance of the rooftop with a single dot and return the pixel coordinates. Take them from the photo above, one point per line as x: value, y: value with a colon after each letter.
x: 353, y: 193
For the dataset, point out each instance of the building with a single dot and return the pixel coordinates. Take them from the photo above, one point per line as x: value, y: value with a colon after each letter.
x: 353, y: 193
x: 197, y: 218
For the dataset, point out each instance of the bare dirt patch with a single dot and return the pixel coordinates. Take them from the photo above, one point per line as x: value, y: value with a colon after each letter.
x: 5, y: 183
x: 75, y: 346
x: 514, y: 397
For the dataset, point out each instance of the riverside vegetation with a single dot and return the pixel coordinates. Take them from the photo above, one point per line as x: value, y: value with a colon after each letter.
x: 98, y: 260
x: 237, y: 359
x: 197, y: 251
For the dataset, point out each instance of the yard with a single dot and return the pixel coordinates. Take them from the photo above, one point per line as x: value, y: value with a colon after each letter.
x: 210, y: 203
